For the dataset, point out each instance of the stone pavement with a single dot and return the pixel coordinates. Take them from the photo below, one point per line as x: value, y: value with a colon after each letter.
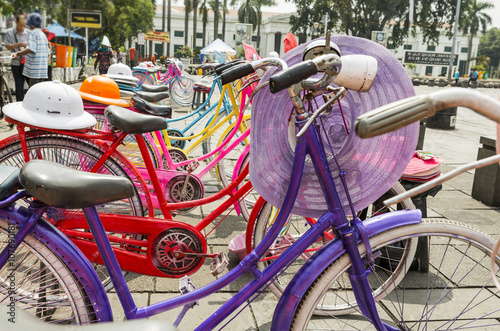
x: 454, y: 201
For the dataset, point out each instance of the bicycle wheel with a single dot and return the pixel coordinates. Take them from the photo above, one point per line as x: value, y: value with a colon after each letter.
x: 44, y: 285
x: 456, y: 293
x: 144, y: 79
x: 5, y: 91
x: 77, y: 154
x: 182, y: 90
x: 297, y: 225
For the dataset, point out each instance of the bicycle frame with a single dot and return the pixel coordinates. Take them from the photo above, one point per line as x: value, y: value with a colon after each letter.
x: 347, y: 239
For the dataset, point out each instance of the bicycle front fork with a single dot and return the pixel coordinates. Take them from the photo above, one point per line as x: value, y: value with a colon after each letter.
x: 358, y: 276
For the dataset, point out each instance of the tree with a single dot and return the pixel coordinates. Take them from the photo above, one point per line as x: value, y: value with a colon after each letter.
x: 224, y: 12
x: 216, y: 18
x: 360, y: 17
x: 489, y: 46
x: 204, y: 8
x: 250, y: 12
x: 195, y: 21
x: 121, y: 19
x: 473, y: 21
x: 188, y: 6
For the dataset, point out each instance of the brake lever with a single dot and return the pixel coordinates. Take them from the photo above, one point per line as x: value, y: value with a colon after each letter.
x: 341, y: 92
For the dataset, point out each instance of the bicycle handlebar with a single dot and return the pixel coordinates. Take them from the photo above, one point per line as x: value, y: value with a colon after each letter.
x: 220, y: 68
x: 398, y: 114
x: 293, y: 75
x: 244, y: 69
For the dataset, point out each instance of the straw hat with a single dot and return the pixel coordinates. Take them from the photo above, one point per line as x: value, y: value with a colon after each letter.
x: 372, y: 166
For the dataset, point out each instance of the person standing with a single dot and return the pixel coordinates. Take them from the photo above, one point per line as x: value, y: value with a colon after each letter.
x: 104, y: 55
x: 16, y: 39
x: 457, y: 76
x: 119, y: 56
x: 37, y: 51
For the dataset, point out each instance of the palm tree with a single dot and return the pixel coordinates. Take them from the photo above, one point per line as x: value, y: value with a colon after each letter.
x: 195, y: 19
x: 216, y: 19
x: 473, y: 19
x: 187, y: 9
x: 224, y: 12
x: 251, y: 12
x: 204, y: 8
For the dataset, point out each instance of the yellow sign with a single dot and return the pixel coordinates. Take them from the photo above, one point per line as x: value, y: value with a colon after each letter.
x: 85, y: 19
x: 160, y: 36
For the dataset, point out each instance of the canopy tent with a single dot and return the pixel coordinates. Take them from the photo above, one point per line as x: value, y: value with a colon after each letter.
x: 61, y: 31
x: 219, y: 46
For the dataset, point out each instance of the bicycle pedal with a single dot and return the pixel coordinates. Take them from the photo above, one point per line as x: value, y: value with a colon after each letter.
x: 219, y: 263
x: 192, y: 166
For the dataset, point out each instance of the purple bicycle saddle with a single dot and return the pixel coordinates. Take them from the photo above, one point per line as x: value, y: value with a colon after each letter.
x: 372, y: 165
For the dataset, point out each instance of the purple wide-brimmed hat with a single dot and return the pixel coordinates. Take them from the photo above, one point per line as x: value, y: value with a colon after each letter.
x: 372, y: 165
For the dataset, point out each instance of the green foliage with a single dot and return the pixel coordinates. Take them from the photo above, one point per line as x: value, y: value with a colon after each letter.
x: 473, y: 19
x: 361, y: 17
x: 250, y: 11
x: 184, y: 52
x: 410, y: 66
x: 480, y: 67
x: 489, y: 46
x: 121, y: 19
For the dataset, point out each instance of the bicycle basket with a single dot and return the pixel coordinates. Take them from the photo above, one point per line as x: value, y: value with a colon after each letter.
x: 372, y: 166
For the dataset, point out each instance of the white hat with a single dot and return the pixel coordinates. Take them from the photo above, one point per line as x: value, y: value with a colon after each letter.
x: 51, y: 105
x: 105, y: 41
x: 141, y: 66
x: 121, y: 71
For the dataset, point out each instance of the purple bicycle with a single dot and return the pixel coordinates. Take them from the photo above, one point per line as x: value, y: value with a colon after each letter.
x: 42, y: 271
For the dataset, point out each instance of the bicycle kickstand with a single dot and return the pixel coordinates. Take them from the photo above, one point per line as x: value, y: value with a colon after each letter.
x: 185, y: 286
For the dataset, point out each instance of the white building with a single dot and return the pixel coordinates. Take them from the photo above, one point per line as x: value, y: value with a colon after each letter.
x: 275, y: 26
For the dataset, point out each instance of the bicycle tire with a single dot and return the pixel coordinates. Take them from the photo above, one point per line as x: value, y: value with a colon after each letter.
x: 182, y: 91
x: 77, y: 154
x: 12, y: 154
x: 44, y: 284
x: 143, y: 78
x: 466, y: 295
x: 299, y: 225
x: 6, y: 95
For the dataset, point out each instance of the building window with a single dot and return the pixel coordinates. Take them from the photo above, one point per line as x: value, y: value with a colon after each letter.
x: 219, y: 36
x: 447, y: 49
x: 431, y: 48
x: 444, y: 70
x: 199, y: 35
x: 391, y: 46
x: 179, y: 34
x: 428, y: 70
x: 463, y: 50
x: 159, y: 50
x: 407, y: 46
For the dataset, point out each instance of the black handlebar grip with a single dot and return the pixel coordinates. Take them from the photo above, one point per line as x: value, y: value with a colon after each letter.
x: 226, y: 66
x: 237, y: 72
x: 293, y: 75
x: 225, y: 63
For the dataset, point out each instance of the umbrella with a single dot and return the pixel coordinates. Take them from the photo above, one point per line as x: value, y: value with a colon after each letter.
x: 60, y: 31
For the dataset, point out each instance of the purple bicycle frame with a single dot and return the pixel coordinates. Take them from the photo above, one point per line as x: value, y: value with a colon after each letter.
x: 348, y: 238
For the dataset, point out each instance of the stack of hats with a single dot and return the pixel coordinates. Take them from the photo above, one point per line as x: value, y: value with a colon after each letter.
x: 122, y: 75
x: 422, y: 167
x: 99, y: 92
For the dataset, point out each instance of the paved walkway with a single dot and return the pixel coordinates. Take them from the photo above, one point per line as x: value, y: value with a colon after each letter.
x: 456, y: 147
